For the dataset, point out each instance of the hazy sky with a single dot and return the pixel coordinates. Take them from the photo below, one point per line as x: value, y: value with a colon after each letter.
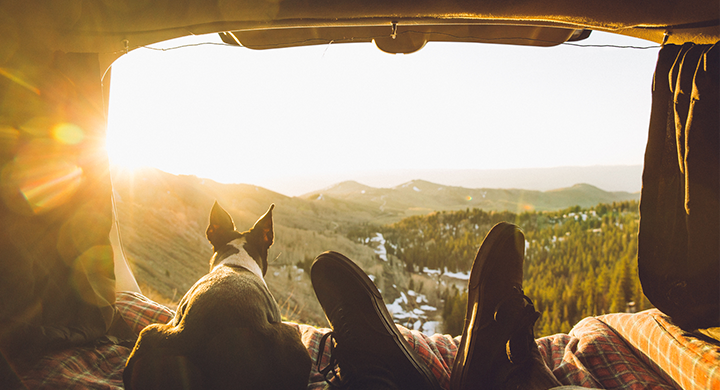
x: 294, y: 120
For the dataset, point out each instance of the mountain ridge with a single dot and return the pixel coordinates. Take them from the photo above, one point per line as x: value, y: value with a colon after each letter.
x: 351, y: 201
x: 608, y: 177
x: 346, y: 185
x: 421, y: 196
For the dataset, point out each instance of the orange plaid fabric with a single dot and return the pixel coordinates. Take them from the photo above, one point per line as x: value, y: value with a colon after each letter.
x: 594, y: 355
x: 691, y: 360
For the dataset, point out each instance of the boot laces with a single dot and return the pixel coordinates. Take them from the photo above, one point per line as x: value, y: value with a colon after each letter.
x: 332, y: 371
x: 517, y: 312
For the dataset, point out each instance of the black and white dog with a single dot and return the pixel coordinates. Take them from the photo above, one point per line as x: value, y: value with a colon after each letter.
x: 227, y: 332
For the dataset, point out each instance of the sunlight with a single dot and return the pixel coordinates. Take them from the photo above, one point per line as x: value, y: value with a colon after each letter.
x: 346, y: 111
x: 125, y: 151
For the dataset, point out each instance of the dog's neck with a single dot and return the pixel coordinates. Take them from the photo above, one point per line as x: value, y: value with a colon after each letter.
x: 238, y: 257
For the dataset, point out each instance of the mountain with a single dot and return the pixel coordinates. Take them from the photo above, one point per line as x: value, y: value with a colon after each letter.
x: 608, y: 177
x: 586, y: 195
x: 421, y: 197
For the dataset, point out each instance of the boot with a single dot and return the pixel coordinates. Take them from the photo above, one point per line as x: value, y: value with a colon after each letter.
x: 367, y: 349
x: 498, y: 349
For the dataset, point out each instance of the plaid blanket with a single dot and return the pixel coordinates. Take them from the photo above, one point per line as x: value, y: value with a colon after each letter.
x: 628, y: 351
x: 691, y: 361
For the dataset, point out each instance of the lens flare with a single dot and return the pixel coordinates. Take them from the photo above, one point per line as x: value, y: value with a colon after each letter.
x: 68, y: 134
x: 19, y: 80
x: 52, y: 188
x: 44, y: 178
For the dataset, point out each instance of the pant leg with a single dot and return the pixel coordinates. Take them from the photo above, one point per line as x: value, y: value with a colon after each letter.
x: 678, y: 251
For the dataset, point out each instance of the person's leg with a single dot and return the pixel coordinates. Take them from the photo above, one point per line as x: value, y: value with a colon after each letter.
x: 368, y: 348
x: 498, y: 349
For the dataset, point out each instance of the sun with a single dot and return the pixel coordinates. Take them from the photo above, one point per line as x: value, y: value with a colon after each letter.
x: 122, y: 153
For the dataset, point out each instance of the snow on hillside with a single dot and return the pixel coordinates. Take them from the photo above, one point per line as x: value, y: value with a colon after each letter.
x: 379, y: 246
x: 454, y: 275
x: 412, y: 311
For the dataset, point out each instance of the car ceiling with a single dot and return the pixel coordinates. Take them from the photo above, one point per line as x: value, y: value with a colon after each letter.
x: 114, y: 27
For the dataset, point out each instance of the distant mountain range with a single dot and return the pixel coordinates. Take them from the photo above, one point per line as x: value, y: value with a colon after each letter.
x: 349, y: 201
x: 608, y: 177
x: 422, y: 197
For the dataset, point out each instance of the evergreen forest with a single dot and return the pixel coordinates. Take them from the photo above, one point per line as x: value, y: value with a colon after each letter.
x: 579, y: 262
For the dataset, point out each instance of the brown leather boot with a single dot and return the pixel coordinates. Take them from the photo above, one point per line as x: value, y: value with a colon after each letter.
x: 498, y: 349
x: 366, y: 345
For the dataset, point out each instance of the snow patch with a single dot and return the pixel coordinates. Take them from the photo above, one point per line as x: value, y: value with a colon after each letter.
x: 430, y: 328
x: 458, y: 275
x: 380, y: 246
x: 395, y: 308
x: 414, y: 317
x: 431, y: 272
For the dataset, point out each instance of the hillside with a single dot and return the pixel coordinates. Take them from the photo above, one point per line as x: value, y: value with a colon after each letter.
x: 163, y: 218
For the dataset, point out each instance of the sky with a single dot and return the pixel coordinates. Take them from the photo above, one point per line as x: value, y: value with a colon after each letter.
x: 298, y: 119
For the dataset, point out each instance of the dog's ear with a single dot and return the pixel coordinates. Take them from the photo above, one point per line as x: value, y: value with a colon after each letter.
x: 262, y: 236
x: 263, y: 228
x: 221, y: 228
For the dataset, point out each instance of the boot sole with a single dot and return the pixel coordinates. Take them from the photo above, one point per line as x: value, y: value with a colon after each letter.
x: 415, y: 375
x: 459, y: 380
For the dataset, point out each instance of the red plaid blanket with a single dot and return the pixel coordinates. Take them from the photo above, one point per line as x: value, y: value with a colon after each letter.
x: 629, y: 351
x: 100, y: 365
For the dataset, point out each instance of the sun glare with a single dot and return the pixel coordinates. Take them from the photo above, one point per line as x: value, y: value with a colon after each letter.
x: 120, y: 153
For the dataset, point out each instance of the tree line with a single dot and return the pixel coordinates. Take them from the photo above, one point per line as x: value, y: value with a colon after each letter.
x: 579, y: 262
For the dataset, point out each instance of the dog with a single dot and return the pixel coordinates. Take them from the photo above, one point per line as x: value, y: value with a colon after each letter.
x: 227, y: 332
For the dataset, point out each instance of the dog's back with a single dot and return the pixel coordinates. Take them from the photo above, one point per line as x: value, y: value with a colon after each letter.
x: 227, y: 334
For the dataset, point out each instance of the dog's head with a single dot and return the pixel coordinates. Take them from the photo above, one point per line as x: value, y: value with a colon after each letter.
x: 227, y: 241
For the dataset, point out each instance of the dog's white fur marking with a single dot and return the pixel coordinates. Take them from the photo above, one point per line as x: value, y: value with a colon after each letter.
x: 242, y: 259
